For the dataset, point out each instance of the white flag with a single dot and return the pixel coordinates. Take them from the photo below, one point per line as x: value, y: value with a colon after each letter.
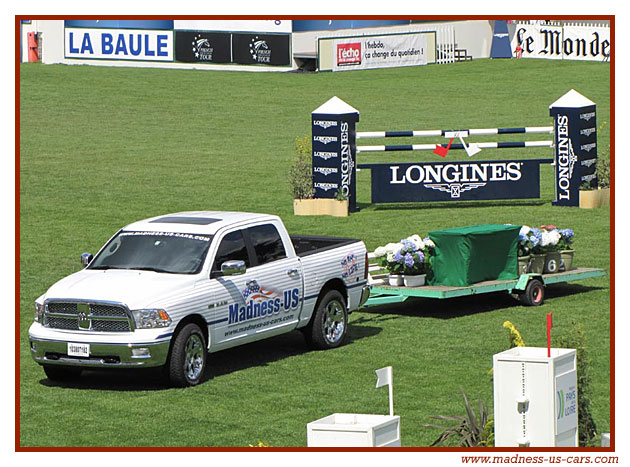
x: 384, y: 376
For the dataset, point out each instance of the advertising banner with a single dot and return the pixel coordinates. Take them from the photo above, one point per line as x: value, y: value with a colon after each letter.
x: 567, y: 402
x: 265, y: 49
x: 235, y: 25
x: 120, y: 23
x: 119, y: 44
x: 202, y: 47
x: 392, y: 50
x: 455, y: 181
x: 562, y: 43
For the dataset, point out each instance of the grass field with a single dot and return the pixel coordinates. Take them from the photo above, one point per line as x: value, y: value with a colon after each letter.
x: 102, y: 147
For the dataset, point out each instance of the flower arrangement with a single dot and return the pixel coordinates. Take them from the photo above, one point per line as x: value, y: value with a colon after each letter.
x: 566, y: 239
x: 405, y: 257
x: 539, y: 241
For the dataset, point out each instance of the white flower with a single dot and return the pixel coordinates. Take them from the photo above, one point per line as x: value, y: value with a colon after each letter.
x: 525, y: 230
x: 550, y: 237
x: 390, y: 257
x: 429, y: 243
x: 393, y: 247
x: 417, y: 241
x: 380, y: 251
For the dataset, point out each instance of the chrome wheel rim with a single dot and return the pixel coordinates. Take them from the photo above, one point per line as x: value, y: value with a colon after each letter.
x: 194, y: 357
x: 334, y: 323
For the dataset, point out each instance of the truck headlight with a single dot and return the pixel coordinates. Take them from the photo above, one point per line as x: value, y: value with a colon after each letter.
x: 154, y: 318
x: 39, y: 312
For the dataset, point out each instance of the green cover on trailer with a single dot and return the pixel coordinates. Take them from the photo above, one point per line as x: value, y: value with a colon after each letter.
x: 466, y: 255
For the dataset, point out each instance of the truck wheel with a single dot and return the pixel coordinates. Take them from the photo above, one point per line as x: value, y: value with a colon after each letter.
x: 329, y: 324
x: 187, y: 362
x: 534, y: 293
x: 61, y: 373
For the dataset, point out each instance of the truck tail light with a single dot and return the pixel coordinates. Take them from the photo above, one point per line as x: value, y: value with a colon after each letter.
x: 367, y: 266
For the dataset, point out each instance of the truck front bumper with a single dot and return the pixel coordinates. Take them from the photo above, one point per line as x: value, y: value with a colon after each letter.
x: 101, y: 355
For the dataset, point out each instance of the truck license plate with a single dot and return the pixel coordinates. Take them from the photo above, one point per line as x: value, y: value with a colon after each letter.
x: 78, y: 350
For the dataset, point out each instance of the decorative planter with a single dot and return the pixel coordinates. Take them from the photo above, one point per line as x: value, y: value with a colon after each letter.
x: 552, y: 262
x: 566, y: 259
x: 354, y: 430
x: 414, y: 281
x: 523, y: 264
x: 590, y: 199
x: 537, y: 263
x: 320, y: 207
x: 396, y: 280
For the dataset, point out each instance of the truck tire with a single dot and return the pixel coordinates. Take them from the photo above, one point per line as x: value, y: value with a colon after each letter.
x: 534, y: 293
x: 189, y: 354
x: 329, y: 324
x: 61, y: 373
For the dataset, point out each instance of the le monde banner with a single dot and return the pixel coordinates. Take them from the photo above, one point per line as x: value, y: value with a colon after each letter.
x: 455, y: 181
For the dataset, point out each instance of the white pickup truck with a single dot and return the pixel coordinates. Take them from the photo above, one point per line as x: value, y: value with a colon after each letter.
x: 166, y: 291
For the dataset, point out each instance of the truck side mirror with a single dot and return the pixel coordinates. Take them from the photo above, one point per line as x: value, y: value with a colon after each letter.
x: 233, y: 268
x: 86, y: 258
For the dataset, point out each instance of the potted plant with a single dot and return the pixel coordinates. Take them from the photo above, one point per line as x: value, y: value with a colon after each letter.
x: 549, y: 241
x: 595, y: 195
x: 386, y: 258
x: 412, y: 256
x: 301, y: 178
x: 537, y: 257
x: 301, y: 181
x: 565, y: 248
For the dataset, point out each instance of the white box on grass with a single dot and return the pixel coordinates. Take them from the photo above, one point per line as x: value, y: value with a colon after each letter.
x: 354, y: 430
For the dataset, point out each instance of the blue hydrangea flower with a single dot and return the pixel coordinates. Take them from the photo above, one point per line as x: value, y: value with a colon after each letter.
x: 398, y: 257
x: 420, y: 257
x: 408, y: 260
x: 408, y: 245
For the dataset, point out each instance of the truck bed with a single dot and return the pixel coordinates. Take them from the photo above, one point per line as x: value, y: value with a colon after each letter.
x: 306, y: 245
x: 382, y: 293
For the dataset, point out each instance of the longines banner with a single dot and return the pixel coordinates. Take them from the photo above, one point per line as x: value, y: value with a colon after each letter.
x: 562, y: 43
x: 455, y: 181
x: 391, y: 50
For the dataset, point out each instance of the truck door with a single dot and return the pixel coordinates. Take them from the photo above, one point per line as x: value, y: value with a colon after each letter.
x: 264, y: 301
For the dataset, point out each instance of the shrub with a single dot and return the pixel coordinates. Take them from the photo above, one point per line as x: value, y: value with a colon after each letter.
x: 301, y: 170
x: 574, y: 339
x: 471, y: 430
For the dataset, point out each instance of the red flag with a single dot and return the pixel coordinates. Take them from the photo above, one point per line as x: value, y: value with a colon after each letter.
x: 441, y: 150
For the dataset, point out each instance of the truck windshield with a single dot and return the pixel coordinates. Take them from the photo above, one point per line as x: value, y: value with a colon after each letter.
x: 168, y: 252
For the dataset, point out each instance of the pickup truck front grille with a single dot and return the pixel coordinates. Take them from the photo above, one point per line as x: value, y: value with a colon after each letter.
x: 84, y: 316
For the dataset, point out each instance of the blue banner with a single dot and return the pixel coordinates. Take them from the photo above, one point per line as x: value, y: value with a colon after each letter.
x: 501, y: 47
x: 455, y: 181
x: 333, y: 24
x: 162, y: 24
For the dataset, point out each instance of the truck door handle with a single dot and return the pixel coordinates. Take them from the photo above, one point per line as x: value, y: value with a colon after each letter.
x: 293, y: 272
x: 251, y: 283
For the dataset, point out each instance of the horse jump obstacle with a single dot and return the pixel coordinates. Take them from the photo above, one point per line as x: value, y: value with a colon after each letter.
x: 575, y: 156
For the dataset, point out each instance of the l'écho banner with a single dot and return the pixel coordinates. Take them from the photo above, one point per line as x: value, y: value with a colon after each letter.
x: 392, y: 50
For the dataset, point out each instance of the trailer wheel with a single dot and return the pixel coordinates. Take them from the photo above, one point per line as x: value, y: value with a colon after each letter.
x: 187, y: 362
x: 534, y: 293
x: 329, y: 324
x: 61, y: 373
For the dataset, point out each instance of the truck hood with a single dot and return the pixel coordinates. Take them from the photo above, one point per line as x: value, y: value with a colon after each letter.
x: 136, y: 289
